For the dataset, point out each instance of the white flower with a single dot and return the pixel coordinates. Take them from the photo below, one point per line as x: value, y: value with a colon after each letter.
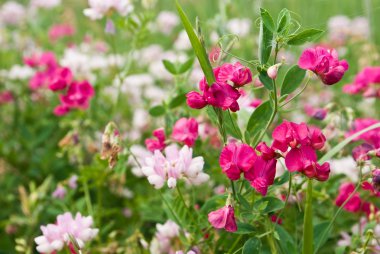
x: 98, y: 8
x: 166, y: 21
x: 240, y: 27
x: 18, y: 72
x: 46, y: 4
x: 182, y: 42
x: 12, y: 13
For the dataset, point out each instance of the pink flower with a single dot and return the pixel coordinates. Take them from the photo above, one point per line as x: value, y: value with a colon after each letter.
x: 78, y: 95
x: 195, y: 100
x: 221, y: 96
x: 235, y: 74
x: 262, y: 174
x: 185, y: 130
x: 289, y: 134
x: 6, y: 97
x: 158, y: 143
x: 223, y: 218
x: 72, y: 183
x: 61, y: 79
x: 266, y: 152
x: 214, y: 54
x: 376, y: 180
x: 59, y: 31
x: 325, y: 63
x: 345, y: 190
x: 256, y: 102
x: 272, y: 71
x: 61, y: 110
x: 236, y: 158
x: 176, y: 164
x: 55, y: 236
x: 60, y: 192
x: 316, y: 113
x: 366, y: 82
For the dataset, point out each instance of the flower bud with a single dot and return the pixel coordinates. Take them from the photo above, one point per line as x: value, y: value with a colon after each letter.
x: 272, y: 71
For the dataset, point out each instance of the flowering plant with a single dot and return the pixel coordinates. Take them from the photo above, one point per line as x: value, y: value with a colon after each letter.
x: 127, y: 130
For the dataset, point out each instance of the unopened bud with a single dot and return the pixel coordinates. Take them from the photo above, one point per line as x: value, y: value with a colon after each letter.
x: 273, y: 70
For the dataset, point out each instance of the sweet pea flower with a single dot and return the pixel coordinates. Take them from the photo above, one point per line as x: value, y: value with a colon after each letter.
x: 78, y: 95
x: 236, y: 159
x: 345, y: 190
x: 235, y: 74
x: 59, y: 31
x: 366, y: 82
x: 262, y: 174
x: 223, y: 218
x: 157, y: 143
x: 325, y: 63
x: 185, y: 130
x: 6, y: 97
x: 316, y: 113
x: 174, y: 165
x: 55, y: 236
x: 61, y: 79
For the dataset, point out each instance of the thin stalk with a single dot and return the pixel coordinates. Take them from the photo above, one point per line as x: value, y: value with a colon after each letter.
x: 308, y: 220
x: 170, y: 209
x: 296, y: 95
x: 287, y: 198
x: 271, y: 241
x: 87, y: 197
x: 235, y: 243
x: 325, y: 232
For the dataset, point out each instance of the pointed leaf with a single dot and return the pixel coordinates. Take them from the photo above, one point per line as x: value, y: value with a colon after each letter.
x: 267, y: 19
x: 293, y: 79
x: 258, y: 121
x: 170, y: 67
x: 307, y: 35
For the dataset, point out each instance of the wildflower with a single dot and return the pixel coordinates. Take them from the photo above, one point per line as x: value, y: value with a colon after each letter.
x: 262, y: 174
x: 99, y: 8
x: 316, y: 113
x: 235, y: 74
x: 272, y: 71
x: 176, y: 164
x: 12, y: 13
x: 325, y: 63
x: 55, y: 236
x: 72, y: 183
x: 6, y: 97
x: 185, y: 131
x: 366, y: 82
x: 61, y: 79
x: 158, y: 143
x: 166, y: 21
x: 59, y: 31
x: 345, y: 190
x: 78, y: 95
x: 165, y: 233
x: 223, y: 218
x: 235, y: 159
x: 60, y: 192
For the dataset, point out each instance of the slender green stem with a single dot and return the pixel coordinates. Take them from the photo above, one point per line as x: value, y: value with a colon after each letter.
x: 308, y: 220
x: 271, y: 241
x: 178, y: 221
x: 287, y: 198
x: 327, y: 230
x: 87, y: 197
x: 233, y: 189
x: 296, y: 95
x: 235, y: 243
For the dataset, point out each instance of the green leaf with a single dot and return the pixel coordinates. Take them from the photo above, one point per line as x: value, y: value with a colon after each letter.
x: 273, y: 204
x: 282, y: 179
x: 283, y: 20
x: 266, y: 80
x: 258, y: 121
x: 253, y: 245
x: 232, y: 127
x: 199, y: 50
x: 342, y: 144
x: 267, y: 19
x: 287, y: 243
x: 170, y: 67
x: 245, y: 204
x: 157, y: 111
x: 244, y: 228
x: 265, y: 43
x: 319, y: 229
x: 293, y: 79
x: 186, y: 66
x: 177, y: 101
x: 307, y: 35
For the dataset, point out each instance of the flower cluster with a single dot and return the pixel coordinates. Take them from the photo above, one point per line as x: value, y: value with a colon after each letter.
x: 56, y: 78
x: 174, y: 165
x: 99, y: 8
x: 224, y: 93
x: 185, y: 131
x: 55, y: 236
x: 325, y: 63
x: 371, y: 139
x: 303, y: 142
x: 366, y: 82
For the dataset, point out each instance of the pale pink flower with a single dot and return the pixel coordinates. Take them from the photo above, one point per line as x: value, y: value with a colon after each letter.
x: 59, y: 31
x: 223, y: 218
x: 60, y: 192
x: 12, y: 13
x: 99, y: 8
x: 174, y: 165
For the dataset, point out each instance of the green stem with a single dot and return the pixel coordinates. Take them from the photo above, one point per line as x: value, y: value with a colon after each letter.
x: 233, y: 189
x: 308, y: 220
x: 296, y: 95
x: 271, y: 242
x: 87, y: 197
x: 327, y: 230
x: 287, y: 198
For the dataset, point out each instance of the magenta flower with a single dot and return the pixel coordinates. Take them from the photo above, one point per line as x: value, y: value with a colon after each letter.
x: 289, y: 134
x: 345, y: 190
x: 78, y: 95
x: 61, y: 79
x: 316, y: 113
x: 266, y: 152
x: 366, y: 82
x: 195, y: 100
x: 223, y: 218
x: 157, y: 143
x: 235, y: 159
x: 262, y: 174
x: 59, y: 31
x: 185, y: 130
x: 6, y: 97
x: 325, y: 63
x: 235, y: 74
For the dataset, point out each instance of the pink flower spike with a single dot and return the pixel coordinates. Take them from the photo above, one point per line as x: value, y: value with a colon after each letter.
x: 185, y: 131
x: 223, y: 218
